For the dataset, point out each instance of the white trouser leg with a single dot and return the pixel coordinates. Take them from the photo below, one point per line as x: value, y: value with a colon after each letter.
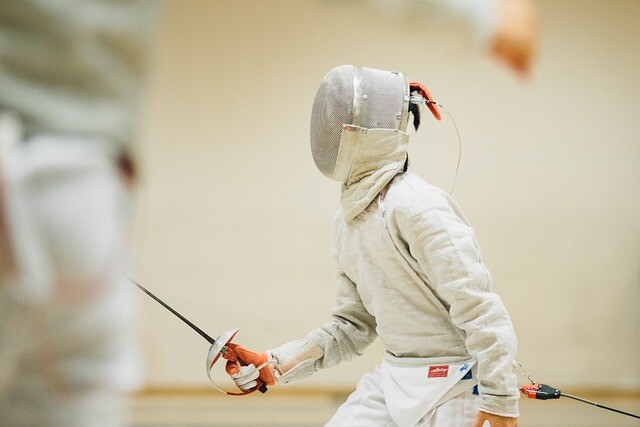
x: 67, y: 347
x: 459, y: 411
x: 365, y: 407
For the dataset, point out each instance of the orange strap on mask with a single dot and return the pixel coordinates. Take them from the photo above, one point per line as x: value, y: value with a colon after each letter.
x: 431, y: 104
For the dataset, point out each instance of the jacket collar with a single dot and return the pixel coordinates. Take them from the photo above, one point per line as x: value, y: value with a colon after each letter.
x: 367, y: 160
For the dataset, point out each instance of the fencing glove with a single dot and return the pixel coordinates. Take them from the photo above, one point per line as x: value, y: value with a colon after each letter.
x: 257, y: 365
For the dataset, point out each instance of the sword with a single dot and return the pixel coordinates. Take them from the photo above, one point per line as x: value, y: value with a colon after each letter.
x: 219, y: 346
x: 535, y: 390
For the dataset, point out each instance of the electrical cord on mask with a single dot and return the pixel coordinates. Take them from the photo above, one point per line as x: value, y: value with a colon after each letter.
x: 415, y: 100
x: 455, y: 177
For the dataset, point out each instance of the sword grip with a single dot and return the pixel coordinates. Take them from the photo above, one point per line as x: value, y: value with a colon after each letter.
x: 229, y: 354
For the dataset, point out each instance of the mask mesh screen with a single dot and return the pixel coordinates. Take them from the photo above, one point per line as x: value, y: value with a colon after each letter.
x: 385, y: 99
x: 332, y: 107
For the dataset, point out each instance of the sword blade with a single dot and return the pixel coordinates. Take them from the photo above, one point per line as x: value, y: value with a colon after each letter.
x: 597, y: 405
x: 178, y: 315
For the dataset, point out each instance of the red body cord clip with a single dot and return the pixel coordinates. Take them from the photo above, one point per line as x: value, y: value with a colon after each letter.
x: 530, y: 390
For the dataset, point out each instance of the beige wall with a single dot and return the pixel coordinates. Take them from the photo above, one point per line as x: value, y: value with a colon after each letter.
x: 233, y: 219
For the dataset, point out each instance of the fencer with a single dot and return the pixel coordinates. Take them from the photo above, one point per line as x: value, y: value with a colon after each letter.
x: 70, y: 76
x: 408, y: 270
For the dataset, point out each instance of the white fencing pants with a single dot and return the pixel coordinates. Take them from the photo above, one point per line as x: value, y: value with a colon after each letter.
x: 366, y: 407
x: 67, y: 346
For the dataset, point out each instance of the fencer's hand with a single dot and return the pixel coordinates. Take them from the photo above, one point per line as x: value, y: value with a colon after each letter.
x: 262, y: 363
x: 245, y: 376
x: 495, y: 420
x: 516, y: 36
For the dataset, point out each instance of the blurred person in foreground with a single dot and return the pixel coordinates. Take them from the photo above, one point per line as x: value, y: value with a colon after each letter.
x: 70, y: 79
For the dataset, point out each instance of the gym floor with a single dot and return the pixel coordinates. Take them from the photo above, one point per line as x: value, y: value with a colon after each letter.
x: 302, y: 408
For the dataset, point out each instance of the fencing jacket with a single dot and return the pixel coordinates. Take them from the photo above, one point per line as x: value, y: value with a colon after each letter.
x: 409, y: 271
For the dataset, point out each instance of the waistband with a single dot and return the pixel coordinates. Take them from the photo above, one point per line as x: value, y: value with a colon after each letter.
x: 424, y: 361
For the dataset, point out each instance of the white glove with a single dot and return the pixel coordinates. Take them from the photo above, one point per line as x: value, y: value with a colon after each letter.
x: 246, y: 378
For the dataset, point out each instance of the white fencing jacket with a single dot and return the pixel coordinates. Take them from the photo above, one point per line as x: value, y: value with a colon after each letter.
x: 409, y: 271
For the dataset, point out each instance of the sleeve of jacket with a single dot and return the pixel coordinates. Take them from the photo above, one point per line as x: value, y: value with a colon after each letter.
x: 479, y: 15
x: 345, y: 336
x: 351, y: 329
x: 444, y: 245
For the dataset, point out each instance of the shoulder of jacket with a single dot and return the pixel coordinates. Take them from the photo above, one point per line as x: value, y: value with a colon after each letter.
x: 337, y: 219
x: 409, y: 192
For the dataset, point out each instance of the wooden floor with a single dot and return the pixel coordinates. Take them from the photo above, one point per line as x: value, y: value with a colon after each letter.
x: 280, y: 408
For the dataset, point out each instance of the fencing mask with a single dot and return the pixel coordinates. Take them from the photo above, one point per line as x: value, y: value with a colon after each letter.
x: 364, y: 98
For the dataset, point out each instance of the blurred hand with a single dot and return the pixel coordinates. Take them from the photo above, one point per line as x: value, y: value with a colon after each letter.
x: 495, y: 420
x: 516, y: 36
